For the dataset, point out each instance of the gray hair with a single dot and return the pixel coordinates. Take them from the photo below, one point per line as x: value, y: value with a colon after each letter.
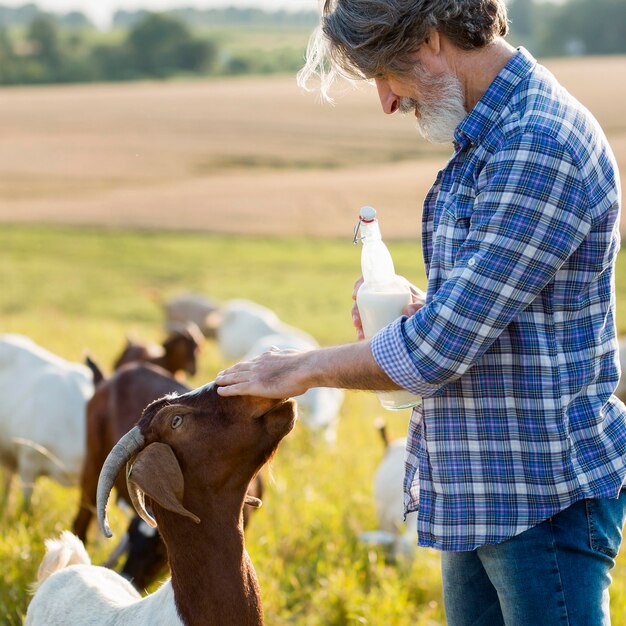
x: 363, y: 39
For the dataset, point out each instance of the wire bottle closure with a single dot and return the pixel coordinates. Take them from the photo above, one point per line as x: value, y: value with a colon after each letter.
x: 367, y: 215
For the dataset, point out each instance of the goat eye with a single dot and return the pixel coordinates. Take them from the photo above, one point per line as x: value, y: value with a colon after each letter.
x: 177, y: 421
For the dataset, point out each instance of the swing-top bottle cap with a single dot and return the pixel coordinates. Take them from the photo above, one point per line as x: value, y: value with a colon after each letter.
x: 367, y: 214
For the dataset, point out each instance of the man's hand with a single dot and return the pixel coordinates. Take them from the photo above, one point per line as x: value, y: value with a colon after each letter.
x: 273, y: 374
x: 356, y: 316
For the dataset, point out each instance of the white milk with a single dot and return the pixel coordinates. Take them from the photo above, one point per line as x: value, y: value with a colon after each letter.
x: 378, y: 309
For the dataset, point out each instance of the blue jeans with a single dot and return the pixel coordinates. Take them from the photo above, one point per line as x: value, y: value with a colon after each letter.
x: 554, y: 574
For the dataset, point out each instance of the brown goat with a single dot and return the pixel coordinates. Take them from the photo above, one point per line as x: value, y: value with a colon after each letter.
x: 111, y: 413
x: 195, y: 457
x: 178, y: 353
x: 191, y: 457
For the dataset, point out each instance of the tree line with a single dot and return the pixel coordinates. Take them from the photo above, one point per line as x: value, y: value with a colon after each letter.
x: 39, y: 47
x: 50, y: 52
x: 575, y: 27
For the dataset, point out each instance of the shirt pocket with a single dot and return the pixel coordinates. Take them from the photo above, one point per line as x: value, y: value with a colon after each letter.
x: 454, y: 225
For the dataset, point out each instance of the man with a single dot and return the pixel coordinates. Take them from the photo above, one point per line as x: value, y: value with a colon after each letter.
x: 518, y: 454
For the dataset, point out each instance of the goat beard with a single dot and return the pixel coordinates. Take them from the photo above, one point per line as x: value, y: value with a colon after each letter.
x: 441, y: 110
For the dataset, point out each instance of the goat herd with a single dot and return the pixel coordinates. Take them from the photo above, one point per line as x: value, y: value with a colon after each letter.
x: 146, y: 433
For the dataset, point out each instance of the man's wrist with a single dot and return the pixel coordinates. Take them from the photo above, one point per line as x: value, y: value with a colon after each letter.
x: 313, y: 368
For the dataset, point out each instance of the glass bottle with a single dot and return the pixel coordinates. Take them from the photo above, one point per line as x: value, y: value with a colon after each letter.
x: 382, y: 296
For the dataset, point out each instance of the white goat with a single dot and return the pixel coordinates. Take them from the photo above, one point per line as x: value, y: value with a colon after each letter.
x: 191, y: 307
x: 66, y: 570
x: 319, y: 406
x: 42, y: 414
x: 243, y: 322
x: 388, y: 487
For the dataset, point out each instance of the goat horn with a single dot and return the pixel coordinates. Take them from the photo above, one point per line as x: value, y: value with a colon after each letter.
x: 124, y: 449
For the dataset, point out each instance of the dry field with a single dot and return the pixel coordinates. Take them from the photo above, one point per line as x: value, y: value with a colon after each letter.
x: 254, y: 155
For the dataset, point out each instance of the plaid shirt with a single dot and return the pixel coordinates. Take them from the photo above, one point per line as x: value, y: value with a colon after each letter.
x: 515, y: 351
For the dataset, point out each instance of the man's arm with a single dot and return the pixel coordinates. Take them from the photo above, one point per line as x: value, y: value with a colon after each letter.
x: 286, y: 373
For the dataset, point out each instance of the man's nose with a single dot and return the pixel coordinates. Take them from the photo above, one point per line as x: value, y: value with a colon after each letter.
x: 388, y: 100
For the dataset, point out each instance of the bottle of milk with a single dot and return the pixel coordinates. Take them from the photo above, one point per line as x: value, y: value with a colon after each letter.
x: 382, y: 296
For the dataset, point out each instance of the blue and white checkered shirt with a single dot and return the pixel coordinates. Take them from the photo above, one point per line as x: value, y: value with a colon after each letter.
x: 515, y: 351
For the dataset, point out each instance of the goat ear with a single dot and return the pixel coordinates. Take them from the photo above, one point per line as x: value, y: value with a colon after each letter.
x: 155, y: 473
x: 253, y: 501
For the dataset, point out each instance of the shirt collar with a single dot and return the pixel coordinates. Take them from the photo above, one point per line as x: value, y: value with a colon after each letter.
x: 489, y: 108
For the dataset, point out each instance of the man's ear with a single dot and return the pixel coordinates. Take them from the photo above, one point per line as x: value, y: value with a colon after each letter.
x: 433, y: 42
x: 431, y: 51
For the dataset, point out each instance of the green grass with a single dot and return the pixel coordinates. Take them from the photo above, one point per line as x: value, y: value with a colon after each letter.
x: 73, y: 289
x: 91, y: 279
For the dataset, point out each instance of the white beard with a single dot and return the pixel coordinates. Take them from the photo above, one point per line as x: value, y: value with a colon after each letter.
x: 441, y: 111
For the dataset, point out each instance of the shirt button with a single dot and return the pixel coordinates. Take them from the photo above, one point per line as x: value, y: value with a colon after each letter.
x: 472, y: 262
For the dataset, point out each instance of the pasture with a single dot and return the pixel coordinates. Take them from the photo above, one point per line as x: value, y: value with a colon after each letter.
x: 77, y: 289
x: 114, y: 197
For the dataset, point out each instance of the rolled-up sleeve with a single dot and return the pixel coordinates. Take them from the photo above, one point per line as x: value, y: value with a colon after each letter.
x: 529, y: 216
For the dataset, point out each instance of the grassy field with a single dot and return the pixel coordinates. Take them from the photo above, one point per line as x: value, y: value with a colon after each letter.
x: 227, y: 187
x: 73, y: 289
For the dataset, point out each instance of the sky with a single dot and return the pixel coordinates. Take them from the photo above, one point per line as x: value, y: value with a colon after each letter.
x: 101, y: 11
